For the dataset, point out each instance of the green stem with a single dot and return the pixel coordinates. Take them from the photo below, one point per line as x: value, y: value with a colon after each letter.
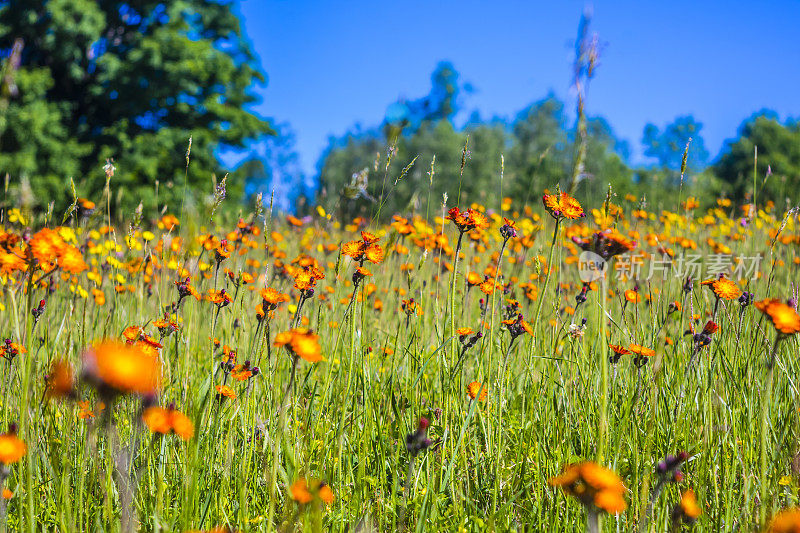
x: 765, y: 412
x: 543, y: 293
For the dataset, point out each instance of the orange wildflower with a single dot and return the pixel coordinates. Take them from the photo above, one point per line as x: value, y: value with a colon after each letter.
x: 225, y: 392
x: 592, y: 485
x: 60, y: 381
x: 302, y: 343
x: 784, y: 317
x: 304, y: 492
x: 562, y: 206
x: 787, y: 521
x: 120, y: 368
x: 473, y: 388
x: 641, y: 350
x: 166, y: 421
x: 723, y: 288
x: 12, y: 449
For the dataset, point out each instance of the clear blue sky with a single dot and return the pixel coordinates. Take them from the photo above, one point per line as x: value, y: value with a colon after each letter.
x: 334, y: 64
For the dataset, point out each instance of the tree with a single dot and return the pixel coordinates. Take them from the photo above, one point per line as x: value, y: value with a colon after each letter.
x: 273, y: 166
x: 778, y: 166
x: 667, y: 146
x: 128, y: 80
x: 540, y: 155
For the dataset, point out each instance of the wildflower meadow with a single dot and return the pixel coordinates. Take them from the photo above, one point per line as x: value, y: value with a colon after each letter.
x: 463, y: 371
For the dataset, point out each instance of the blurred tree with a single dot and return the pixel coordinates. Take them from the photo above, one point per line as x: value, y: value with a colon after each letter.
x: 667, y: 146
x: 418, y: 127
x: 441, y: 103
x: 778, y: 164
x: 273, y: 165
x: 128, y: 80
x: 540, y: 154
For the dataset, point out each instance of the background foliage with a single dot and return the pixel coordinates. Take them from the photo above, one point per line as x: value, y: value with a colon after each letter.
x: 91, y: 80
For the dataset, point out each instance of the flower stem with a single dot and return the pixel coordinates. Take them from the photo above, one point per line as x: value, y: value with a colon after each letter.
x: 543, y: 292
x: 765, y: 412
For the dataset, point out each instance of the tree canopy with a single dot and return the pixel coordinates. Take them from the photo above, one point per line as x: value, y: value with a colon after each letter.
x: 777, y: 172
x: 91, y: 80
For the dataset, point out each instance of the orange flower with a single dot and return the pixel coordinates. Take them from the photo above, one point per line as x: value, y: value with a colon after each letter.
x: 562, y: 206
x: 368, y: 237
x: 723, y: 288
x: 272, y: 297
x: 353, y: 250
x: 594, y: 485
x: 226, y: 392
x: 304, y: 492
x: 632, y: 296
x: 116, y: 367
x: 7, y: 494
x: 71, y: 260
x: 219, y: 298
x: 374, y: 253
x: 12, y: 449
x: 60, y: 380
x: 86, y: 409
x: 619, y: 350
x: 9, y: 350
x: 689, y: 505
x: 473, y: 388
x: 306, y: 278
x: 787, y: 521
x: 12, y: 261
x: 86, y: 204
x: 488, y: 286
x: 473, y: 279
x: 467, y: 220
x: 46, y: 244
x: 641, y: 351
x: 166, y: 421
x: 365, y: 249
x: 242, y: 373
x: 132, y: 333
x: 300, y: 492
x: 783, y: 317
x: 302, y: 343
x: 149, y: 346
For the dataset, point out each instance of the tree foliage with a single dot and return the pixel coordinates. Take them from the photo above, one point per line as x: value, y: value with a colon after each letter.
x: 668, y: 145
x: 777, y: 172
x: 538, y: 150
x: 124, y: 80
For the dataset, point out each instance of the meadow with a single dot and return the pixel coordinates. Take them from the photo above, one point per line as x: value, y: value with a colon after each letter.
x: 558, y: 366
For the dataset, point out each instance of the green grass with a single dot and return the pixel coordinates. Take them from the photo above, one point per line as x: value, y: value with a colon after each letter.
x: 345, y: 419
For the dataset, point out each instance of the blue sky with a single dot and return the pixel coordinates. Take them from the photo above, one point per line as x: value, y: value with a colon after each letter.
x: 334, y: 64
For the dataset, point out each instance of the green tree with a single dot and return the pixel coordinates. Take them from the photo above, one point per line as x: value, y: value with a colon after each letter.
x: 129, y: 81
x: 778, y: 165
x: 667, y: 145
x: 540, y: 155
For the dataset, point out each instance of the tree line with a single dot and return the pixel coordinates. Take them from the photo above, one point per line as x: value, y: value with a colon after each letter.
x: 137, y: 99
